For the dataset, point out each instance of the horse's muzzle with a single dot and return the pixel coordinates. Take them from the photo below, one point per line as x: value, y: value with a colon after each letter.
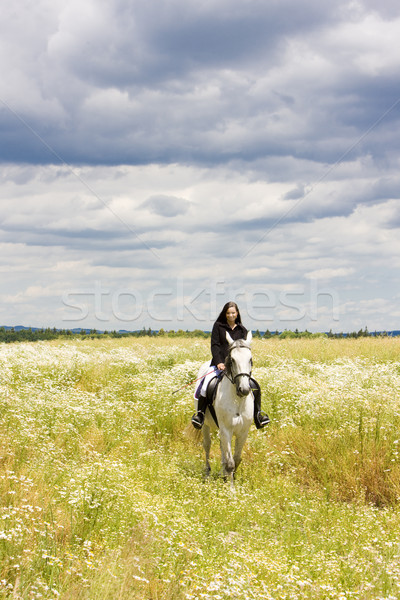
x: 242, y: 382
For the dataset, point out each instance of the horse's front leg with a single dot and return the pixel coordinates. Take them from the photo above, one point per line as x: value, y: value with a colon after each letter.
x: 239, y: 444
x: 228, y: 464
x: 207, y: 446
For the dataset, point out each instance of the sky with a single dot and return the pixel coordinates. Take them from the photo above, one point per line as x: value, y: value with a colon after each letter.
x: 161, y: 158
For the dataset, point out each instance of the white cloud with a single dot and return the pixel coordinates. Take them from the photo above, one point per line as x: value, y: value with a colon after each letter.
x: 327, y: 274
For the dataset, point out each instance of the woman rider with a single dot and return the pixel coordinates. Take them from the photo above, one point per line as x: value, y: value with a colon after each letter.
x: 228, y: 320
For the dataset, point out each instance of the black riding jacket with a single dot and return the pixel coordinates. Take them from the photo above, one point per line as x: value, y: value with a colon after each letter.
x: 219, y: 344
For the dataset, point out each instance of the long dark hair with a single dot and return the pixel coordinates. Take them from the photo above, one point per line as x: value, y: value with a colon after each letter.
x: 222, y: 315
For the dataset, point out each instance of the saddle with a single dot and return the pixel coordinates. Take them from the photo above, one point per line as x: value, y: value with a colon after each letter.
x: 212, y: 389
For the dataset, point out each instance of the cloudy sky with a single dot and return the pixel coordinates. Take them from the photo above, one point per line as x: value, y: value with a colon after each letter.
x: 160, y: 158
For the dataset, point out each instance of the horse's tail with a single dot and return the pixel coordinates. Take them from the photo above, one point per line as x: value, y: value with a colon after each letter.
x: 192, y: 434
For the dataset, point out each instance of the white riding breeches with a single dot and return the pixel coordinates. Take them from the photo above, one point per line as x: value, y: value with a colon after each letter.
x: 211, y: 372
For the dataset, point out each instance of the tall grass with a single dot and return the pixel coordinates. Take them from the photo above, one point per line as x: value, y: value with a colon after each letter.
x: 102, y: 494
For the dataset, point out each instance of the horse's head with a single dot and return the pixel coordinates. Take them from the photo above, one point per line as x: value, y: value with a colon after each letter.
x: 239, y: 363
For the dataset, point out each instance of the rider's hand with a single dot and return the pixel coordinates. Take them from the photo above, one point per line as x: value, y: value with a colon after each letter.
x: 221, y: 367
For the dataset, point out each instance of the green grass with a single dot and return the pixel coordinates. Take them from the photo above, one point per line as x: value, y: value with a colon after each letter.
x: 102, y: 494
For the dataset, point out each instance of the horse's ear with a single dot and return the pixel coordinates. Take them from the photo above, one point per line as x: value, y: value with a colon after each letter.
x: 228, y: 338
x: 249, y: 337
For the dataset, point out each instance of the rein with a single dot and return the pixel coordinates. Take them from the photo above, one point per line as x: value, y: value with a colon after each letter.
x: 194, y: 381
x: 233, y: 379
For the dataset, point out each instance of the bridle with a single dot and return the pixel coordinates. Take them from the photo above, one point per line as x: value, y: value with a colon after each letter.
x: 228, y: 371
x: 233, y: 379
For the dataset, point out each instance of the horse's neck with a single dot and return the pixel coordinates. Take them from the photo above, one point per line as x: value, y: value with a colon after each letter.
x: 224, y: 383
x: 227, y: 388
x: 227, y: 397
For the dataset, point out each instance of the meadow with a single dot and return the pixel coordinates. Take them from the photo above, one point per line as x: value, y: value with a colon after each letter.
x: 102, y: 492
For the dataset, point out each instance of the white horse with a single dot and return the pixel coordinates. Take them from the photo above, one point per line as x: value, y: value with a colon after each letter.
x: 233, y: 405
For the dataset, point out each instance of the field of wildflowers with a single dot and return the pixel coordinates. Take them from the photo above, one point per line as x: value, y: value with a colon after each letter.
x: 102, y: 495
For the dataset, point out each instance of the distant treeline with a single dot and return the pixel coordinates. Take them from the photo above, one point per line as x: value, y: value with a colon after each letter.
x: 307, y: 334
x: 12, y: 334
x: 28, y: 334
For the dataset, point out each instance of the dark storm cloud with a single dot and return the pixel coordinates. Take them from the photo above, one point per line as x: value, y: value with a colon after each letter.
x: 156, y: 42
x: 137, y: 83
x: 230, y: 34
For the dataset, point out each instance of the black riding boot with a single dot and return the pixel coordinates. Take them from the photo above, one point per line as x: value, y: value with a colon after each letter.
x: 260, y: 418
x: 198, y: 418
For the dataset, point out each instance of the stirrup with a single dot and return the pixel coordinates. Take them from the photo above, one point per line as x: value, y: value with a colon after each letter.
x: 261, y: 419
x: 198, y: 420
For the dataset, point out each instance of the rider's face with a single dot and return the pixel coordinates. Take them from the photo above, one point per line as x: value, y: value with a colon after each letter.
x: 231, y: 315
